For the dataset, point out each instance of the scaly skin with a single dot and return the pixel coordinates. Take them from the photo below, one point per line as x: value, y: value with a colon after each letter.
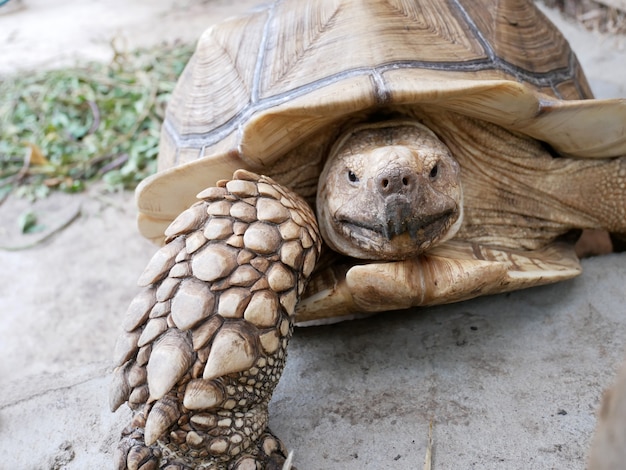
x: 204, y: 344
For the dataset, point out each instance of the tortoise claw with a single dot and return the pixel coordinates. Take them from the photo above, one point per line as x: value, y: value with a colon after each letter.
x: 133, y: 454
x: 269, y: 454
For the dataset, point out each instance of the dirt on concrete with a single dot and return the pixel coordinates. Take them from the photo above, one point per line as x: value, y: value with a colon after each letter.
x: 42, y: 34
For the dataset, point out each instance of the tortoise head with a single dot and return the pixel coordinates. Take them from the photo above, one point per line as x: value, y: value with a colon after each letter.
x: 389, y: 191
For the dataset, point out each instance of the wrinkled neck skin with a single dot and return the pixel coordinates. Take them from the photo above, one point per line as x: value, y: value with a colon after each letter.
x: 389, y: 191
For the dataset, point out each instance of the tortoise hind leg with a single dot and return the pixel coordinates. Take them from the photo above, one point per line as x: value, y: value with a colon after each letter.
x: 592, y: 193
x: 596, y: 191
x: 204, y: 344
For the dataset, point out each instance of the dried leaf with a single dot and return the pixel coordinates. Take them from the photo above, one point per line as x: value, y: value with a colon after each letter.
x: 36, y: 156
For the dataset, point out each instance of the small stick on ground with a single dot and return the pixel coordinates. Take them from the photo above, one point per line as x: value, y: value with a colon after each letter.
x: 429, y: 449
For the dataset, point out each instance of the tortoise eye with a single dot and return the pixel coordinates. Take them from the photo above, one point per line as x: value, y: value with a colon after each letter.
x: 434, y: 171
x: 352, y: 177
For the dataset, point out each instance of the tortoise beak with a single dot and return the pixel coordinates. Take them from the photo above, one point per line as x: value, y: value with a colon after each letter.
x: 410, y: 204
x: 400, y: 216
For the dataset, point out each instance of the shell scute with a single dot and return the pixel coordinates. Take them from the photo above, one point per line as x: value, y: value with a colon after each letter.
x: 218, y: 228
x: 166, y: 289
x: 233, y: 302
x: 187, y: 221
x: 192, y: 303
x: 162, y: 415
x: 160, y: 309
x: 201, y: 394
x: 234, y: 349
x: 262, y: 311
x: 292, y: 255
x: 139, y: 309
x: 262, y: 238
x: 125, y: 347
x: 268, y: 190
x: 154, y: 328
x: 243, y: 211
x: 270, y: 210
x: 180, y: 270
x: 195, y: 241
x: 280, y: 278
x: 170, y: 359
x: 161, y: 263
x: 204, y: 332
x: 213, y: 193
x: 214, y: 262
x: 244, y: 276
x: 119, y: 388
x: 138, y: 396
x: 242, y: 188
x: 219, y: 208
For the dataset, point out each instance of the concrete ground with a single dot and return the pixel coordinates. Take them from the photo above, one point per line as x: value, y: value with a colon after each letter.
x: 506, y: 382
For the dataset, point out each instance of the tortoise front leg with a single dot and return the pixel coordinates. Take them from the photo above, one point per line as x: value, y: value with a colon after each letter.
x: 204, y: 344
x: 451, y: 272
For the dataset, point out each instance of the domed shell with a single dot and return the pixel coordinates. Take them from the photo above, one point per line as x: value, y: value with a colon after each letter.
x: 262, y: 84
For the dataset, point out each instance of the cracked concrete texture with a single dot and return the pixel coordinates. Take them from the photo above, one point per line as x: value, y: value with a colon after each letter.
x: 510, y: 381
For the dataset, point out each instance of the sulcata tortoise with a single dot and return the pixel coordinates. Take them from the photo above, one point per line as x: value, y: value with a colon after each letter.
x: 417, y: 152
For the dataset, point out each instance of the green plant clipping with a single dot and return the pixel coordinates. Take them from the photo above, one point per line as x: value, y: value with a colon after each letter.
x: 27, y: 222
x: 60, y: 129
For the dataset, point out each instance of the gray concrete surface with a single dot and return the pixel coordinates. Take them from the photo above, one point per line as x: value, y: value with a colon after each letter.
x: 507, y: 382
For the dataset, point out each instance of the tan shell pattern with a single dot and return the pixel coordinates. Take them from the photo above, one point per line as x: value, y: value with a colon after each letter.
x: 254, y: 70
x: 248, y: 97
x: 204, y: 344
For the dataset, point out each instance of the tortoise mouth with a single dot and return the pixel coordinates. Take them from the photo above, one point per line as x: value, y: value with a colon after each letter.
x: 395, y: 239
x: 416, y: 229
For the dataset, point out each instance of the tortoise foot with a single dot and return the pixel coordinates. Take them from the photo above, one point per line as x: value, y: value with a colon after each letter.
x: 268, y: 453
x: 133, y: 454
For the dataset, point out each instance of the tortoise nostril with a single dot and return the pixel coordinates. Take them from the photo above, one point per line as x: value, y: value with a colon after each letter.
x: 434, y: 172
x: 394, y: 182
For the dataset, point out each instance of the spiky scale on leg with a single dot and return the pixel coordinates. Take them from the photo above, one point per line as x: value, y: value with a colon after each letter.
x: 204, y: 345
